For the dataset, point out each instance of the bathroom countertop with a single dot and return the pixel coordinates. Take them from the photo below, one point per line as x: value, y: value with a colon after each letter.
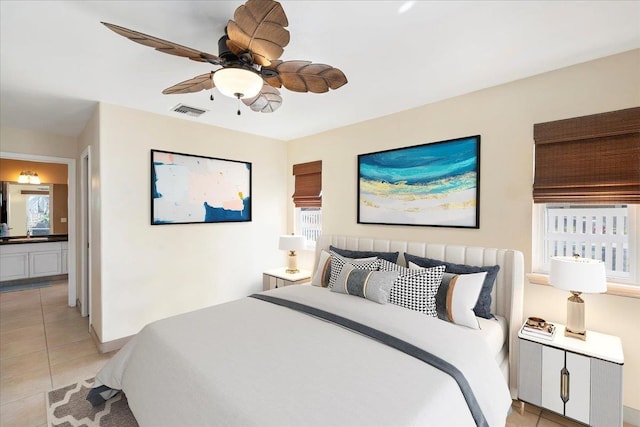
x: 17, y: 240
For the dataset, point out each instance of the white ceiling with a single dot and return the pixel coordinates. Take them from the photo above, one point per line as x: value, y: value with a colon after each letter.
x: 57, y: 60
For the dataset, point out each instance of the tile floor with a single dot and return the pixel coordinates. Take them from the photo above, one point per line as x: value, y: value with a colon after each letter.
x: 44, y: 345
x: 536, y: 417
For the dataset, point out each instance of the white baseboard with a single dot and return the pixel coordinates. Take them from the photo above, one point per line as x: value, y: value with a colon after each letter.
x: 109, y: 346
x: 631, y: 416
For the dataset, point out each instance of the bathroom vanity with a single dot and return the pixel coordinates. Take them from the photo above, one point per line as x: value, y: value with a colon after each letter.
x: 33, y: 257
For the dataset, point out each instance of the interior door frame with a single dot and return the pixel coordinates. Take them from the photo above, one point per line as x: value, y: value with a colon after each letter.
x: 71, y: 215
x: 85, y: 234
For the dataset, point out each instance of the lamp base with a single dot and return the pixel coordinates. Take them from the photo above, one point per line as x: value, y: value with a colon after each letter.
x: 575, y: 317
x: 580, y: 335
x: 293, y: 263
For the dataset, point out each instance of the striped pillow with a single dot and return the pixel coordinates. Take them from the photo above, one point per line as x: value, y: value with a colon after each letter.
x: 372, y: 285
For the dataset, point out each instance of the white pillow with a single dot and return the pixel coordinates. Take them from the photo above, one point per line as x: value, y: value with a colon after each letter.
x: 456, y: 297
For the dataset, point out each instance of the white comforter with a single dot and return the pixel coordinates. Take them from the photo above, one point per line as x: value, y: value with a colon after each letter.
x: 251, y: 362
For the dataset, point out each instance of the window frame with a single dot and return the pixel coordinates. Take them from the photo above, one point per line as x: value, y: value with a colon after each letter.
x: 589, y: 159
x: 309, y: 243
x: 616, y: 286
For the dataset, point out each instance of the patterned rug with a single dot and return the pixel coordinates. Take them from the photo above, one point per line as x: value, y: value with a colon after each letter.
x: 67, y: 407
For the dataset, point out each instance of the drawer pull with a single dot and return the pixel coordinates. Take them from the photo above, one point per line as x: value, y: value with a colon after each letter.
x: 564, y: 385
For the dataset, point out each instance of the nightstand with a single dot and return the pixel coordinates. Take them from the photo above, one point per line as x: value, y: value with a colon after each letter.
x: 574, y: 378
x: 279, y: 277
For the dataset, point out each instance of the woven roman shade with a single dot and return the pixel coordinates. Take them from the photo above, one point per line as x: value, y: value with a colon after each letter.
x: 308, y: 192
x: 590, y: 159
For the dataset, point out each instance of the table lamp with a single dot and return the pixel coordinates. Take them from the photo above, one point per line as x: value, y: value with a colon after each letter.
x: 292, y: 243
x: 577, y: 275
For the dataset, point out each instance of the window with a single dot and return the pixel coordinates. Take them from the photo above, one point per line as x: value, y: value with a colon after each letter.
x: 604, y: 232
x: 586, y: 191
x: 309, y: 224
x: 307, y: 199
x: 38, y: 215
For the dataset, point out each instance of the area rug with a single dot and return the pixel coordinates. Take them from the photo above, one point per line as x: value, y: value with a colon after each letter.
x: 68, y: 407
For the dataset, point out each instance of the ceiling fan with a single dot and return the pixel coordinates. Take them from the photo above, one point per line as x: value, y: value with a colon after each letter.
x: 248, y: 58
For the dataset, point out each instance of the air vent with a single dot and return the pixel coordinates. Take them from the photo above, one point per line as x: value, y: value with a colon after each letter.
x: 189, y: 111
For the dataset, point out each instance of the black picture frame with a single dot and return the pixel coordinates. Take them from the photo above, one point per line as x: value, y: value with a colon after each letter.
x: 435, y: 184
x: 191, y: 189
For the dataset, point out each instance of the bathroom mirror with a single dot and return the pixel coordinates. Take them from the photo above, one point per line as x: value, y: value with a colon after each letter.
x: 34, y: 209
x: 13, y: 208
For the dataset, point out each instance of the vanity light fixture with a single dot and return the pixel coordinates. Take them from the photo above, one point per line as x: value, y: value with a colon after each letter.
x: 28, y: 177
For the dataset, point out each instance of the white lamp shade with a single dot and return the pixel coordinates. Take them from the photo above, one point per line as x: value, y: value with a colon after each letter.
x: 578, y: 274
x: 234, y: 81
x: 291, y: 243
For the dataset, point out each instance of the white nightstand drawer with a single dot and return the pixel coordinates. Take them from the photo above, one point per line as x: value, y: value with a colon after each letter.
x: 552, y: 365
x: 581, y: 380
x: 277, y: 278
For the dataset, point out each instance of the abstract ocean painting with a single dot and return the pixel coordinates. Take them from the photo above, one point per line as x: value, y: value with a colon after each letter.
x: 194, y: 189
x: 435, y: 184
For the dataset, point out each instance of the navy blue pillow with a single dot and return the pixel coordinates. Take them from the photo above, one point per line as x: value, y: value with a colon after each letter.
x: 483, y: 306
x: 389, y: 256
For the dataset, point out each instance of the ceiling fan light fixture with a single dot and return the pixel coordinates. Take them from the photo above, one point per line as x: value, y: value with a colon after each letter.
x: 249, y: 53
x: 237, y: 82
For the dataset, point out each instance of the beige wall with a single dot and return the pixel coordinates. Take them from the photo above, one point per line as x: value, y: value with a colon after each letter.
x: 24, y: 141
x: 152, y: 272
x: 504, y: 117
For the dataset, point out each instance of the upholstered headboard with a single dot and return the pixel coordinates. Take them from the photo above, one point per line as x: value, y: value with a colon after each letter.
x: 507, y: 295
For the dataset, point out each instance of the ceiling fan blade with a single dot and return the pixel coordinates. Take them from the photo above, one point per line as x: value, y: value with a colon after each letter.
x: 305, y: 76
x: 258, y: 27
x: 267, y: 101
x: 196, y: 84
x: 164, y: 45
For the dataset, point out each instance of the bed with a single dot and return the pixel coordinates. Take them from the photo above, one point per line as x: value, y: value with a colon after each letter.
x: 309, y: 356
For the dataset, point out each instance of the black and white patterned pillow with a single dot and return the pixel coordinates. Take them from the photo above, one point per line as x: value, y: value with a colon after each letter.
x: 338, y: 261
x: 415, y: 289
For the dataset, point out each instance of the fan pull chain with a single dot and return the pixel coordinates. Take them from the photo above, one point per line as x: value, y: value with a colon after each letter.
x: 212, y: 86
x: 238, y: 95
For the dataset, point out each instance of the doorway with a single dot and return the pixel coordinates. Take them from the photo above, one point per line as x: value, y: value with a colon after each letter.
x: 71, y: 206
